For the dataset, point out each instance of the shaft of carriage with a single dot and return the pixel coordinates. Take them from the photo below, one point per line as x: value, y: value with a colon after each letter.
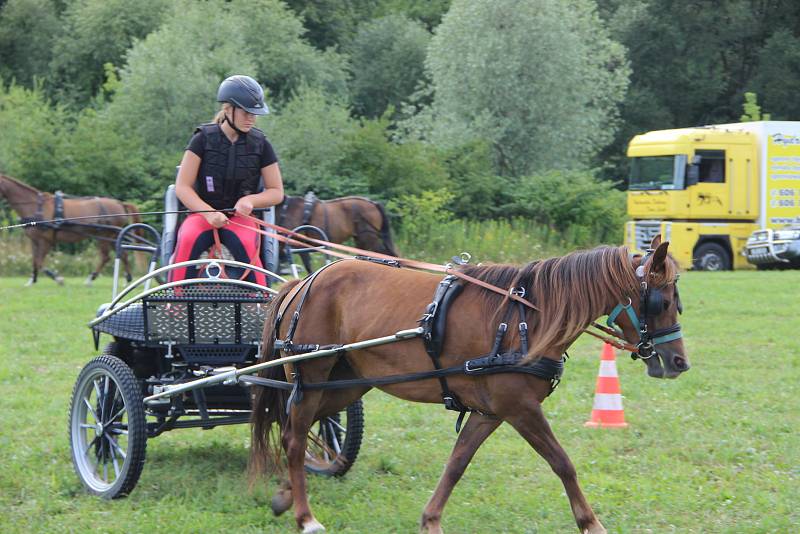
x: 232, y: 375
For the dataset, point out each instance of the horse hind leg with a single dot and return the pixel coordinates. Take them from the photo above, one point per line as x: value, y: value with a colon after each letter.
x: 475, y: 431
x: 295, y: 441
x: 103, y: 248
x: 533, y: 426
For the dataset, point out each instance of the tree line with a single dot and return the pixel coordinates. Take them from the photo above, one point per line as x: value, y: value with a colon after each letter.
x: 489, y: 109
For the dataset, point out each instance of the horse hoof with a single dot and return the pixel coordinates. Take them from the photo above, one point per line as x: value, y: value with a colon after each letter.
x: 59, y: 280
x: 312, y: 527
x: 29, y: 283
x: 88, y: 282
x: 281, y: 501
x: 595, y: 529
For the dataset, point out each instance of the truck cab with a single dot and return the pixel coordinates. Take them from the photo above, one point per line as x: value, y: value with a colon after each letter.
x: 698, y: 188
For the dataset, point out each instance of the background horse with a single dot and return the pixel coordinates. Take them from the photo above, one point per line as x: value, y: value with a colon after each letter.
x: 34, y: 205
x: 340, y: 218
x: 355, y: 300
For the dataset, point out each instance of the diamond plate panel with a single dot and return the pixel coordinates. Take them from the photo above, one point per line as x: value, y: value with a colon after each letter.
x: 168, y: 321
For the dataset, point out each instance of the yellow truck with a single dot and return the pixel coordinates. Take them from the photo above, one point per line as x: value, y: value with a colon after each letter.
x: 709, y: 189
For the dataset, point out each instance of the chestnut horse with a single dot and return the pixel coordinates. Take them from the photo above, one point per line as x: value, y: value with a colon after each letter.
x: 340, y: 218
x: 34, y: 205
x: 356, y: 300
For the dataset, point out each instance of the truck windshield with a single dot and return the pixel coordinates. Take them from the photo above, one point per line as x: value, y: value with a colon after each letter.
x: 658, y: 172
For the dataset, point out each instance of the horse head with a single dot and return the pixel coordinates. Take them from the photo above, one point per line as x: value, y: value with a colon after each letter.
x: 650, y: 322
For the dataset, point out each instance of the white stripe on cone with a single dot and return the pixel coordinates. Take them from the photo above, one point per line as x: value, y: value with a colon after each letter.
x: 607, y: 401
x: 608, y: 368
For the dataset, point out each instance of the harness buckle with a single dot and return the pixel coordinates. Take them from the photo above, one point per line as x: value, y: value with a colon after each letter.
x: 517, y: 291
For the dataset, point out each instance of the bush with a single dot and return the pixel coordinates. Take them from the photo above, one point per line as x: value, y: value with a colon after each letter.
x: 574, y: 202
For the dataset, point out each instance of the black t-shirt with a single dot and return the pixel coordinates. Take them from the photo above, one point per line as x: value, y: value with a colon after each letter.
x: 198, y: 142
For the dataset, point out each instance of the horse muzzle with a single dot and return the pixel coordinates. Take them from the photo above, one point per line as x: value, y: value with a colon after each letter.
x: 665, y: 363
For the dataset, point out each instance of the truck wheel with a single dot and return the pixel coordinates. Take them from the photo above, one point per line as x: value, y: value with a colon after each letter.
x: 711, y: 257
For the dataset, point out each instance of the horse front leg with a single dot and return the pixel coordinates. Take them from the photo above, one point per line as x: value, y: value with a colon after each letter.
x: 475, y: 431
x: 532, y: 425
x: 42, y: 248
x: 295, y: 441
x: 35, y: 263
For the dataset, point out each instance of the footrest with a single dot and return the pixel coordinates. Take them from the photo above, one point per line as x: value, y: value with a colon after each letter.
x: 216, y: 354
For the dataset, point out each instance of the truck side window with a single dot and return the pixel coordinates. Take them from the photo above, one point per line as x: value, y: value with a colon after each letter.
x: 712, y: 166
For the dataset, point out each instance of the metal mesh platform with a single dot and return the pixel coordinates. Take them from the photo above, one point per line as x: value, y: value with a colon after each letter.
x: 127, y: 323
x: 205, y: 314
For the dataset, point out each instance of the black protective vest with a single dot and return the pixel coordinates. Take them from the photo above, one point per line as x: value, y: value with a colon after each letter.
x: 229, y: 171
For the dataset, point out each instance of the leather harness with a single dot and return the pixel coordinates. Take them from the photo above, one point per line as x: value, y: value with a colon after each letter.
x: 433, y: 323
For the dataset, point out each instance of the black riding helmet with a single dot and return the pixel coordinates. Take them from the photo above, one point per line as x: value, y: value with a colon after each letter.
x: 243, y: 92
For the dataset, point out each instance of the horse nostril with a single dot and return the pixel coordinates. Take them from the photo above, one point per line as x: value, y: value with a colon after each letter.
x: 680, y: 363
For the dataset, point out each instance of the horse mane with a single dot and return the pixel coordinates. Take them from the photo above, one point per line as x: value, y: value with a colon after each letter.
x: 569, y: 291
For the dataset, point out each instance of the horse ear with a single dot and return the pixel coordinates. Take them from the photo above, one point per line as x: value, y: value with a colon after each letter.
x: 659, y: 255
x: 656, y: 242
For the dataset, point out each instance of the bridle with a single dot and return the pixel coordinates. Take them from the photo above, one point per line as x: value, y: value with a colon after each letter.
x: 651, y: 305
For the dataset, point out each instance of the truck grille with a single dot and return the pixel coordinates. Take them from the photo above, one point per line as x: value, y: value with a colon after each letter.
x: 644, y: 232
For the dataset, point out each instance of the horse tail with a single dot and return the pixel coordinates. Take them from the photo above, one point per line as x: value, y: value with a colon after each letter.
x: 385, y: 231
x: 269, y: 404
x: 133, y: 211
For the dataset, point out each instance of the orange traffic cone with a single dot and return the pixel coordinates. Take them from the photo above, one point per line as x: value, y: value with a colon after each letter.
x: 607, y: 410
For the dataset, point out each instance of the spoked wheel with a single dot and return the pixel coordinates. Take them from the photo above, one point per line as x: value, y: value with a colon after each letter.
x: 334, y: 442
x: 107, y: 428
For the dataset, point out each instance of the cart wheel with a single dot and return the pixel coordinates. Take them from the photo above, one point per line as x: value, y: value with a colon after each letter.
x: 334, y: 442
x: 107, y: 430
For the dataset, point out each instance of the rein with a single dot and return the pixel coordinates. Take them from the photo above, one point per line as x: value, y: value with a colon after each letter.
x: 511, y: 293
x: 516, y: 294
x: 614, y: 337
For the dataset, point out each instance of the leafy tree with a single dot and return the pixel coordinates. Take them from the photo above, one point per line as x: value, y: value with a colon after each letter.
x: 542, y: 82
x: 387, y: 59
x: 273, y: 37
x: 97, y: 32
x: 321, y: 148
x: 28, y: 29
x: 309, y: 135
x: 778, y: 74
x: 105, y: 159
x: 693, y: 61
x: 429, y: 12
x: 169, y: 83
x: 332, y: 23
x: 478, y: 193
x: 390, y: 169
x: 32, y: 137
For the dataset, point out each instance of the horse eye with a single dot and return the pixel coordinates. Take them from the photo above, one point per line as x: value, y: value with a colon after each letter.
x: 666, y: 305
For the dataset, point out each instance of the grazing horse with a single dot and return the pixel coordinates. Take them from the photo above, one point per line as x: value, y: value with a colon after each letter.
x: 353, y: 300
x: 33, y: 205
x: 340, y: 218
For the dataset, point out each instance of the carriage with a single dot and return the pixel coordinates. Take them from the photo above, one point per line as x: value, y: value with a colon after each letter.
x: 167, y: 334
x: 185, y: 352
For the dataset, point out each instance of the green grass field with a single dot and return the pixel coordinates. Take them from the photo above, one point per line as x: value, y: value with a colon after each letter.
x: 716, y: 450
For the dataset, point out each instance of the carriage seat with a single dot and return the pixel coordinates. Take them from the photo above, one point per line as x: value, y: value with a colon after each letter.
x: 127, y: 323
x: 269, y: 246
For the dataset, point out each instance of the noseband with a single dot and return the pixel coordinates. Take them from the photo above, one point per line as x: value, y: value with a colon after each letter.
x: 651, y: 305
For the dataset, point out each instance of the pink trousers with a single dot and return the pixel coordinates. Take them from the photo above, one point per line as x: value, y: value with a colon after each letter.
x: 196, y: 236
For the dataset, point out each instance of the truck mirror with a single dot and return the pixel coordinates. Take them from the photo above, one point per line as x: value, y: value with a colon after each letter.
x: 692, y: 173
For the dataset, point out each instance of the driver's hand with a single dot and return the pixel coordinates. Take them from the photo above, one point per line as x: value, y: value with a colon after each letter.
x: 216, y: 219
x: 244, y: 206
